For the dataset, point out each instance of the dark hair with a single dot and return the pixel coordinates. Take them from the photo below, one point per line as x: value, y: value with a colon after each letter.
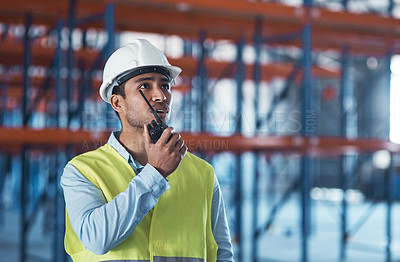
x: 119, y: 90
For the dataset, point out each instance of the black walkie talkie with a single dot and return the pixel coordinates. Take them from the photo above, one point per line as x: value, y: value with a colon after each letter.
x: 155, y: 128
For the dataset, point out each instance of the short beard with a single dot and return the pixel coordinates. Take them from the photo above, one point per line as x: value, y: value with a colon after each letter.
x: 136, y: 123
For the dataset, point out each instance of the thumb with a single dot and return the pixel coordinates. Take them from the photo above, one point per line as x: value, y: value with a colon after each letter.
x: 146, y: 135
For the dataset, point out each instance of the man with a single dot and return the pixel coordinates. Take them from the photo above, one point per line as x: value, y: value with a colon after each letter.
x: 136, y: 200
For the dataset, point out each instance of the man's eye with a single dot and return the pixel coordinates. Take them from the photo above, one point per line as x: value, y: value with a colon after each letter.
x: 166, y: 86
x: 143, y: 86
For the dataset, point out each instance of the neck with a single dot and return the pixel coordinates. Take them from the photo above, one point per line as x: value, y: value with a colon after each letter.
x: 133, y: 141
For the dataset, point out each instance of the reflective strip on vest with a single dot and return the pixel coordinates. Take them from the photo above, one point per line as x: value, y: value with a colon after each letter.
x: 125, y: 261
x: 177, y: 259
x: 163, y: 259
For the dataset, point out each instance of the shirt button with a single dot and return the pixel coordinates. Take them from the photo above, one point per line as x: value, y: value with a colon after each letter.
x: 162, y: 187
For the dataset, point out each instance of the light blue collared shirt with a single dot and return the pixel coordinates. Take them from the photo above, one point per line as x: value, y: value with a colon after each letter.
x: 101, y: 226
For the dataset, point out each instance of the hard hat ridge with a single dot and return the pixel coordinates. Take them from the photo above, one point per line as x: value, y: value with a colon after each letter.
x: 135, y: 58
x: 122, y: 78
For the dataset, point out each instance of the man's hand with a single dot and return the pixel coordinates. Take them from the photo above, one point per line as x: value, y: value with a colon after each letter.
x: 167, y: 153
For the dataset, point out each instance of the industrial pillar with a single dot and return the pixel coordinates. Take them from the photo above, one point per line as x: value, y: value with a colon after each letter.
x: 390, y: 7
x: 389, y: 201
x: 308, y: 116
x: 27, y: 63
x: 24, y: 188
x: 239, y: 162
x: 345, y: 4
x: 58, y: 73
x: 3, y: 100
x: 202, y: 83
x: 187, y: 104
x: 388, y: 171
x: 109, y: 19
x: 70, y: 59
x: 24, y: 204
x: 349, y: 129
x: 59, y: 254
x: 257, y: 81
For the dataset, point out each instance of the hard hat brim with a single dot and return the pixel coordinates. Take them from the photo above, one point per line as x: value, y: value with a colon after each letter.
x: 106, y: 87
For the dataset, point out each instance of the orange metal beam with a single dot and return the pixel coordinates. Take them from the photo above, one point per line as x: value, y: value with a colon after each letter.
x: 11, y: 54
x: 279, y: 14
x: 21, y: 136
x: 318, y: 146
x: 223, y: 19
x: 334, y: 146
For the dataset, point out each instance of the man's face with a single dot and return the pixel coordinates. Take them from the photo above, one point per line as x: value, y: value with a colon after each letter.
x: 157, y: 89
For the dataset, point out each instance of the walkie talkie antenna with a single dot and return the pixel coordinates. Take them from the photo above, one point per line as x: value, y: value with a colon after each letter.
x: 151, y: 108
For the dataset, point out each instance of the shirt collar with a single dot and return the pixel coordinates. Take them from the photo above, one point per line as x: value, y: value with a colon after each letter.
x: 114, y: 142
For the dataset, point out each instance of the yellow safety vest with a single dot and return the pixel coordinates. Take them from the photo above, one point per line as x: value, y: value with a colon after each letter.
x: 178, y: 228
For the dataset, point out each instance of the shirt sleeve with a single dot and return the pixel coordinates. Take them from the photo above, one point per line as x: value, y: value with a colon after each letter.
x: 220, y: 226
x: 99, y: 225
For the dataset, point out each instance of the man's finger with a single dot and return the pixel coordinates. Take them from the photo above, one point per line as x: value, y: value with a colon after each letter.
x: 173, y: 139
x: 179, y: 144
x: 146, y: 135
x: 183, y: 150
x: 165, y: 136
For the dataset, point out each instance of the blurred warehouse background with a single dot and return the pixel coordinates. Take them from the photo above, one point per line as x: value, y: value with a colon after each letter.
x: 295, y: 104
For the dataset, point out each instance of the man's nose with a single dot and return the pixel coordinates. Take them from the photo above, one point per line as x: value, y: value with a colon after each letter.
x: 158, y: 94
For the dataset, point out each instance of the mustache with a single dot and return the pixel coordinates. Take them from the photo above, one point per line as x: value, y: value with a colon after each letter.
x: 161, y: 104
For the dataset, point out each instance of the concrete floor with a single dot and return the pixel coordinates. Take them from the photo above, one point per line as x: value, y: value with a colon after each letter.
x: 368, y: 244
x: 39, y: 241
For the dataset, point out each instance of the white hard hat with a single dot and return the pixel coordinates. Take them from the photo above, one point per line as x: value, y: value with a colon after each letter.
x: 135, y: 58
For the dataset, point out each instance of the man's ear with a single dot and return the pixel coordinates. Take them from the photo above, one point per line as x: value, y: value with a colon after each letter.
x: 117, y: 102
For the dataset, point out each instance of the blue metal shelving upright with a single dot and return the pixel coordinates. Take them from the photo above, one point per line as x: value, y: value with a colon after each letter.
x: 239, y: 77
